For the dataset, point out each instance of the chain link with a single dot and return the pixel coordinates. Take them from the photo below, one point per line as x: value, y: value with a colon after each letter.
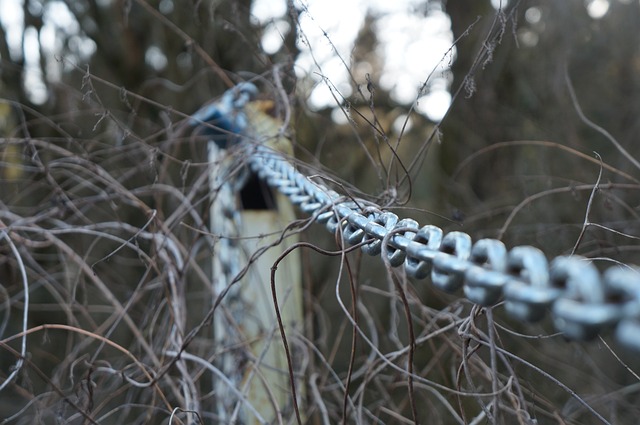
x: 583, y: 302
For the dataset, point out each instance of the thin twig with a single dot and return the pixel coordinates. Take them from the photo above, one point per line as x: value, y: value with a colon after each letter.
x: 587, y: 223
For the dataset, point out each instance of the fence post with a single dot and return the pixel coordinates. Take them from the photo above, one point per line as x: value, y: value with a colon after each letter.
x: 248, y: 241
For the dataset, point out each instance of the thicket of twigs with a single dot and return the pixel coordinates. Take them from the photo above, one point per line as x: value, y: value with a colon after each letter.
x: 106, y: 297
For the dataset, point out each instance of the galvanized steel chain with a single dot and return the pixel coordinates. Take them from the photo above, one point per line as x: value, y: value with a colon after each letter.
x: 583, y: 301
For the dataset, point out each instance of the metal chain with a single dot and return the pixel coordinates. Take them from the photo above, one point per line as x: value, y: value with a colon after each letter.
x: 583, y: 302
x: 225, y: 222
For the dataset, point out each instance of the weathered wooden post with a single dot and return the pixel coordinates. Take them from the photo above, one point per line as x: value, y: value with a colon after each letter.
x: 248, y: 223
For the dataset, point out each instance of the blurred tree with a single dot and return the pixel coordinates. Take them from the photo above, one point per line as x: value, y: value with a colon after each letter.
x: 515, y: 72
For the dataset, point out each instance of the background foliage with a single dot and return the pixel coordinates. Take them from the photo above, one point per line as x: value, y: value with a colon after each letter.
x: 104, y: 197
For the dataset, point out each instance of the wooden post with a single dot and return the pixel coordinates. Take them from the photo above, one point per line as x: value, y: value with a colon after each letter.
x: 251, y: 352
